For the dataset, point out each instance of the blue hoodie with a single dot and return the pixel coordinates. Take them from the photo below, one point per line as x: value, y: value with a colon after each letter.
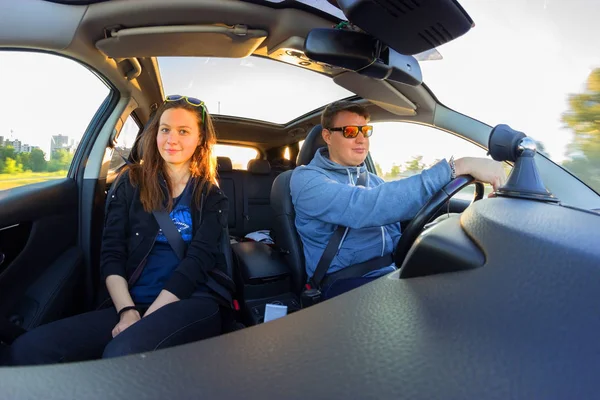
x: 325, y: 195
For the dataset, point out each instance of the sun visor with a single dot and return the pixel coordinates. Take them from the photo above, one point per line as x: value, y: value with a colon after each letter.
x: 378, y: 92
x: 409, y: 26
x: 186, y: 40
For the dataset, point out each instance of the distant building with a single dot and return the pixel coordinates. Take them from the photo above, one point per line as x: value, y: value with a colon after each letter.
x: 59, y: 142
x: 26, y: 148
x: 73, y: 144
x: 15, y: 144
x: 1, y: 141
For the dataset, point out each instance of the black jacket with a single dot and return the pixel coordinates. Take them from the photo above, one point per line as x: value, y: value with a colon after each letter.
x: 130, y: 233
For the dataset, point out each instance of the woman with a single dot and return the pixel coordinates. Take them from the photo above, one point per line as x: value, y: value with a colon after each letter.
x: 158, y: 300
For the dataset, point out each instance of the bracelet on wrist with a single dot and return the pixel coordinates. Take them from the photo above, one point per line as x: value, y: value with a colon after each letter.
x: 452, y: 168
x: 125, y: 309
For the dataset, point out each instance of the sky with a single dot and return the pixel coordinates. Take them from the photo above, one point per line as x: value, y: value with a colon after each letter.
x: 519, y: 64
x: 45, y: 95
x: 516, y: 66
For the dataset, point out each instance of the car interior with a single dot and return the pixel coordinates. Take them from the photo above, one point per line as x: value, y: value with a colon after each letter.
x: 491, y: 304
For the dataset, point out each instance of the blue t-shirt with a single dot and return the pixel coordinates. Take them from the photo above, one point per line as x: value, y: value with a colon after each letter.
x: 162, y: 260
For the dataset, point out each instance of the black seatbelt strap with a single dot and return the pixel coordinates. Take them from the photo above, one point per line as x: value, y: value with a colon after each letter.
x: 245, y: 212
x: 179, y: 247
x: 334, y: 243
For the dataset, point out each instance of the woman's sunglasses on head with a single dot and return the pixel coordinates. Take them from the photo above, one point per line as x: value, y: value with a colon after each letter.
x: 190, y: 100
x: 351, y: 131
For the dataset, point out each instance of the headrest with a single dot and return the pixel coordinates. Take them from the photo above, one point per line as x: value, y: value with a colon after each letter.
x: 224, y: 164
x: 259, y: 167
x: 312, y: 143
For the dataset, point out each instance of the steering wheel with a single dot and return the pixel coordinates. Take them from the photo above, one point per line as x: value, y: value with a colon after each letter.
x: 426, y: 213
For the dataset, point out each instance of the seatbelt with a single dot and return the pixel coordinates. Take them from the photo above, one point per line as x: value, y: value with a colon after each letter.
x: 358, y: 270
x: 245, y: 212
x: 179, y: 247
x: 333, y: 246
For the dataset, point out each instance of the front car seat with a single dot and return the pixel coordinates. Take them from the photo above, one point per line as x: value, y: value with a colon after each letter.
x: 284, y: 226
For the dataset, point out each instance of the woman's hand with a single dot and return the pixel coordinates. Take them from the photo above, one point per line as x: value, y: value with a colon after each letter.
x: 482, y: 169
x: 128, y: 318
x: 165, y: 297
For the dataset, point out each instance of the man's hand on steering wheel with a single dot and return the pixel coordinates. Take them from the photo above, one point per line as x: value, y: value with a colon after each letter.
x: 468, y: 169
x: 482, y: 169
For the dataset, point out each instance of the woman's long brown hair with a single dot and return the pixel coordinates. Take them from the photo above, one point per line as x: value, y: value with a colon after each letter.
x: 146, y: 173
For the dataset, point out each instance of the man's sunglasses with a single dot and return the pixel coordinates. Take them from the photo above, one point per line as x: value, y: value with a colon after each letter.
x: 190, y: 100
x: 351, y: 131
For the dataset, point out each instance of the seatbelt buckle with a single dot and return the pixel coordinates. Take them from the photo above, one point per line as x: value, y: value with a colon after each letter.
x: 310, y: 297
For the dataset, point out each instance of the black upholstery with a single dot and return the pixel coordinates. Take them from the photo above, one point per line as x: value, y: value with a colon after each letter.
x: 249, y: 195
x: 226, y: 249
x: 284, y: 228
x: 314, y: 141
x: 230, y: 182
x: 259, y: 167
x: 258, y: 213
x: 224, y: 164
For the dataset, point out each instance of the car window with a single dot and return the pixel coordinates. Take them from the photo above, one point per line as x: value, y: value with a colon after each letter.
x: 402, y: 149
x: 44, y: 115
x: 545, y: 41
x: 125, y: 142
x: 239, y: 155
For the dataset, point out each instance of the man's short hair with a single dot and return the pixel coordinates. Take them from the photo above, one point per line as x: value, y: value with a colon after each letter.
x: 337, y: 107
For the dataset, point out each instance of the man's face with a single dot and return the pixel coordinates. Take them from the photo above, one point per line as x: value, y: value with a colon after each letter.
x: 345, y: 151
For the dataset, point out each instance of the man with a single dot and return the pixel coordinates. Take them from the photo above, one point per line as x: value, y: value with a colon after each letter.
x: 325, y: 195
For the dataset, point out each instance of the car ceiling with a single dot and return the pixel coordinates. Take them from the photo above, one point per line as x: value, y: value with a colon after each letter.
x: 73, y: 30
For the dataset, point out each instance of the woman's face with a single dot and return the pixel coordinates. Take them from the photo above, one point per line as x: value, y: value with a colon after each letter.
x: 178, y: 136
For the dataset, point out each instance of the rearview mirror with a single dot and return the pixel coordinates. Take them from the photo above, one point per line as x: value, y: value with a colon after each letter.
x: 363, y: 54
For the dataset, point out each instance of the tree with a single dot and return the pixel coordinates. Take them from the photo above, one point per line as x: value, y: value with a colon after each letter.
x: 415, y: 165
x: 25, y: 160
x: 60, y: 160
x: 7, y: 152
x: 38, y: 161
x: 393, y: 174
x: 583, y: 117
x: 12, y: 167
x: 378, y: 169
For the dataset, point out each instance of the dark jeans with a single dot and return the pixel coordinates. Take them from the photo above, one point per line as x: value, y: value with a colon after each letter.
x: 88, y: 336
x: 343, y: 285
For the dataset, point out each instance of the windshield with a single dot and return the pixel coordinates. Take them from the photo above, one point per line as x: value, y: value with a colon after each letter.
x: 535, y: 66
x: 322, y: 5
x: 253, y: 87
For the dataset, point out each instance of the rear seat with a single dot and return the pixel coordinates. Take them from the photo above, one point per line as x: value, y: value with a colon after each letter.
x: 249, y: 195
x: 230, y: 182
x: 257, y: 210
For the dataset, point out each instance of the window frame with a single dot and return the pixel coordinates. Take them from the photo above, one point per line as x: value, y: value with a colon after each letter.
x: 140, y: 126
x: 259, y: 153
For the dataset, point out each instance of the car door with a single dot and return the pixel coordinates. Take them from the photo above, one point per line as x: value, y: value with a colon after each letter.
x: 51, y: 108
x: 402, y: 149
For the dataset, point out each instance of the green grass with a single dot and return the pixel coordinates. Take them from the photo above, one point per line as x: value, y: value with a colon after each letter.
x: 9, y: 181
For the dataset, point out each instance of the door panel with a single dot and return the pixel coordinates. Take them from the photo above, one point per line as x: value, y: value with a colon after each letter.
x: 41, y: 270
x: 43, y: 276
